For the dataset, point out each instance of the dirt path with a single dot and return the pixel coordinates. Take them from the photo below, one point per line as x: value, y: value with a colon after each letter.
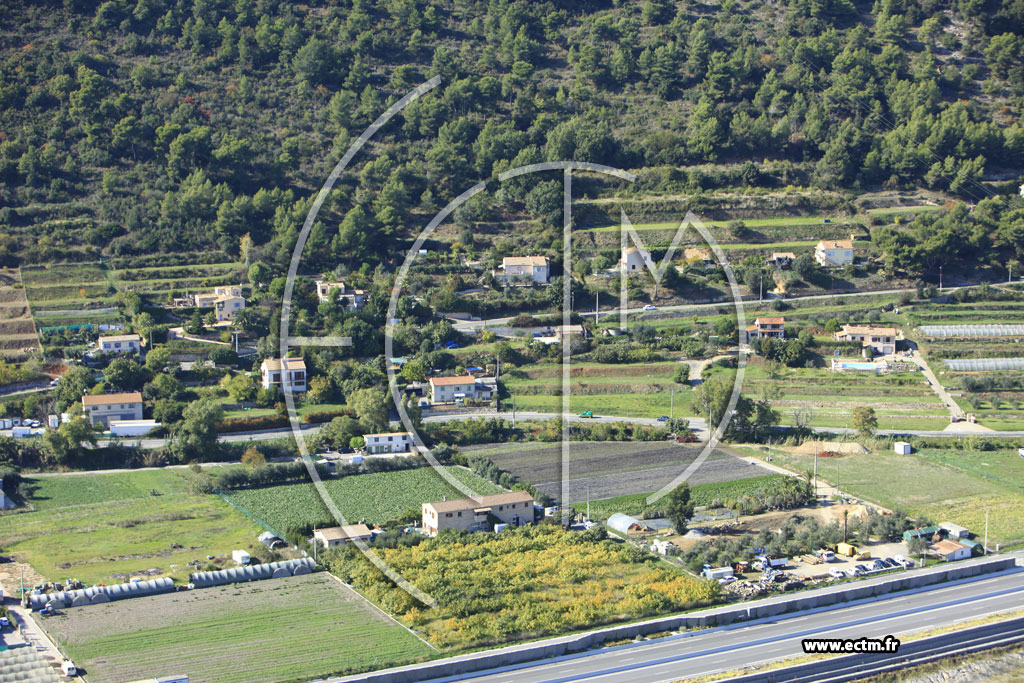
x: 954, y: 410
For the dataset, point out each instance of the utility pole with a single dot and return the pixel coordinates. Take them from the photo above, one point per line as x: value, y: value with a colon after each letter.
x: 815, y: 473
x: 513, y: 411
x: 760, y: 288
x: 597, y: 308
x: 672, y: 405
x: 986, y: 532
x: 940, y: 278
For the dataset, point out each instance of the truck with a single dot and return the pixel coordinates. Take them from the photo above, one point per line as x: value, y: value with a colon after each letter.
x: 825, y: 555
x: 863, y: 555
x: 587, y: 413
x: 241, y: 557
x: 21, y: 432
x: 770, y: 562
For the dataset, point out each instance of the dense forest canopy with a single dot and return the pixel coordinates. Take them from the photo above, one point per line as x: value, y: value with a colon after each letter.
x: 144, y: 126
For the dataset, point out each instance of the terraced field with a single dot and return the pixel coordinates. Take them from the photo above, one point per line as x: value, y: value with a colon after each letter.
x: 17, y: 330
x: 229, y: 633
x: 161, y: 280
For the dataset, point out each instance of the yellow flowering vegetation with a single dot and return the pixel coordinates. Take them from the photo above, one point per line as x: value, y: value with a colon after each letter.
x: 519, y: 584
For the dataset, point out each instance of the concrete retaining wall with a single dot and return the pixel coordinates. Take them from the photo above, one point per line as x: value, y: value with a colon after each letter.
x: 721, y: 616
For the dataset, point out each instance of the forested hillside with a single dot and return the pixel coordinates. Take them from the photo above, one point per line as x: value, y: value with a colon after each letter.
x: 140, y: 127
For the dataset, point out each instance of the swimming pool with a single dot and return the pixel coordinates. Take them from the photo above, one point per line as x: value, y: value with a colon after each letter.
x: 857, y: 366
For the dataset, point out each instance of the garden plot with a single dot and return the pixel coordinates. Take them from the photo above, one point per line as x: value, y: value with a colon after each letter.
x: 608, y: 470
x: 287, y: 629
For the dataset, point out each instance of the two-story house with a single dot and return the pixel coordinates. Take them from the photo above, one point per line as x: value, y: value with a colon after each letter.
x: 449, y: 389
x: 121, y: 343
x: 767, y: 327
x: 102, y: 408
x: 387, y: 442
x: 275, y: 372
x: 880, y: 340
x: 526, y: 269
x: 351, y: 299
x: 514, y: 508
x: 834, y: 252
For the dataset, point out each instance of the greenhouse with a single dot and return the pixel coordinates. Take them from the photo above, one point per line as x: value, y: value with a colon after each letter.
x: 984, y: 364
x: 972, y: 330
x: 97, y: 594
x: 253, y: 572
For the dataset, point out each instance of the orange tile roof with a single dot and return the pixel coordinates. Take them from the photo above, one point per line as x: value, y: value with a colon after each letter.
x: 108, y: 399
x: 450, y: 381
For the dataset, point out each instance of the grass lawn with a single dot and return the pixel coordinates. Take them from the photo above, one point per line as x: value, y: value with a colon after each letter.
x: 944, y: 485
x: 99, y: 528
x: 377, y: 497
x: 288, y: 629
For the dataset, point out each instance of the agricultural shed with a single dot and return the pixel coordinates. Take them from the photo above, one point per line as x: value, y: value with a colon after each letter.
x: 253, y: 572
x: 98, y: 594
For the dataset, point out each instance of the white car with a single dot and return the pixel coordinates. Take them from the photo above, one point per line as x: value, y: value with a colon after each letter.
x: 726, y: 580
x: 4, y: 622
x: 837, y: 573
x: 853, y: 573
x: 650, y: 307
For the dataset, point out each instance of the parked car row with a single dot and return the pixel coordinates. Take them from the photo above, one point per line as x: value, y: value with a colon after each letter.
x: 878, y: 565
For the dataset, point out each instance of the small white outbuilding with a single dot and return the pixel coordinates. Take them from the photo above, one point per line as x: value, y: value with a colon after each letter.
x: 902, y: 448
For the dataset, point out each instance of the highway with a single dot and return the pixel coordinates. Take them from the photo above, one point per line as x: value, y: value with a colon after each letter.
x: 701, y: 653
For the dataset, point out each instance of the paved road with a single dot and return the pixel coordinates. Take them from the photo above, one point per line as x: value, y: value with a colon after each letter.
x: 697, y: 424
x: 470, y: 325
x: 702, y: 653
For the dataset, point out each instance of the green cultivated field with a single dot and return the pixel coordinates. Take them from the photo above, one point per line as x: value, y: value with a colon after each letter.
x: 276, y: 630
x: 944, y: 485
x: 99, y: 528
x: 376, y: 497
x: 701, y: 494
